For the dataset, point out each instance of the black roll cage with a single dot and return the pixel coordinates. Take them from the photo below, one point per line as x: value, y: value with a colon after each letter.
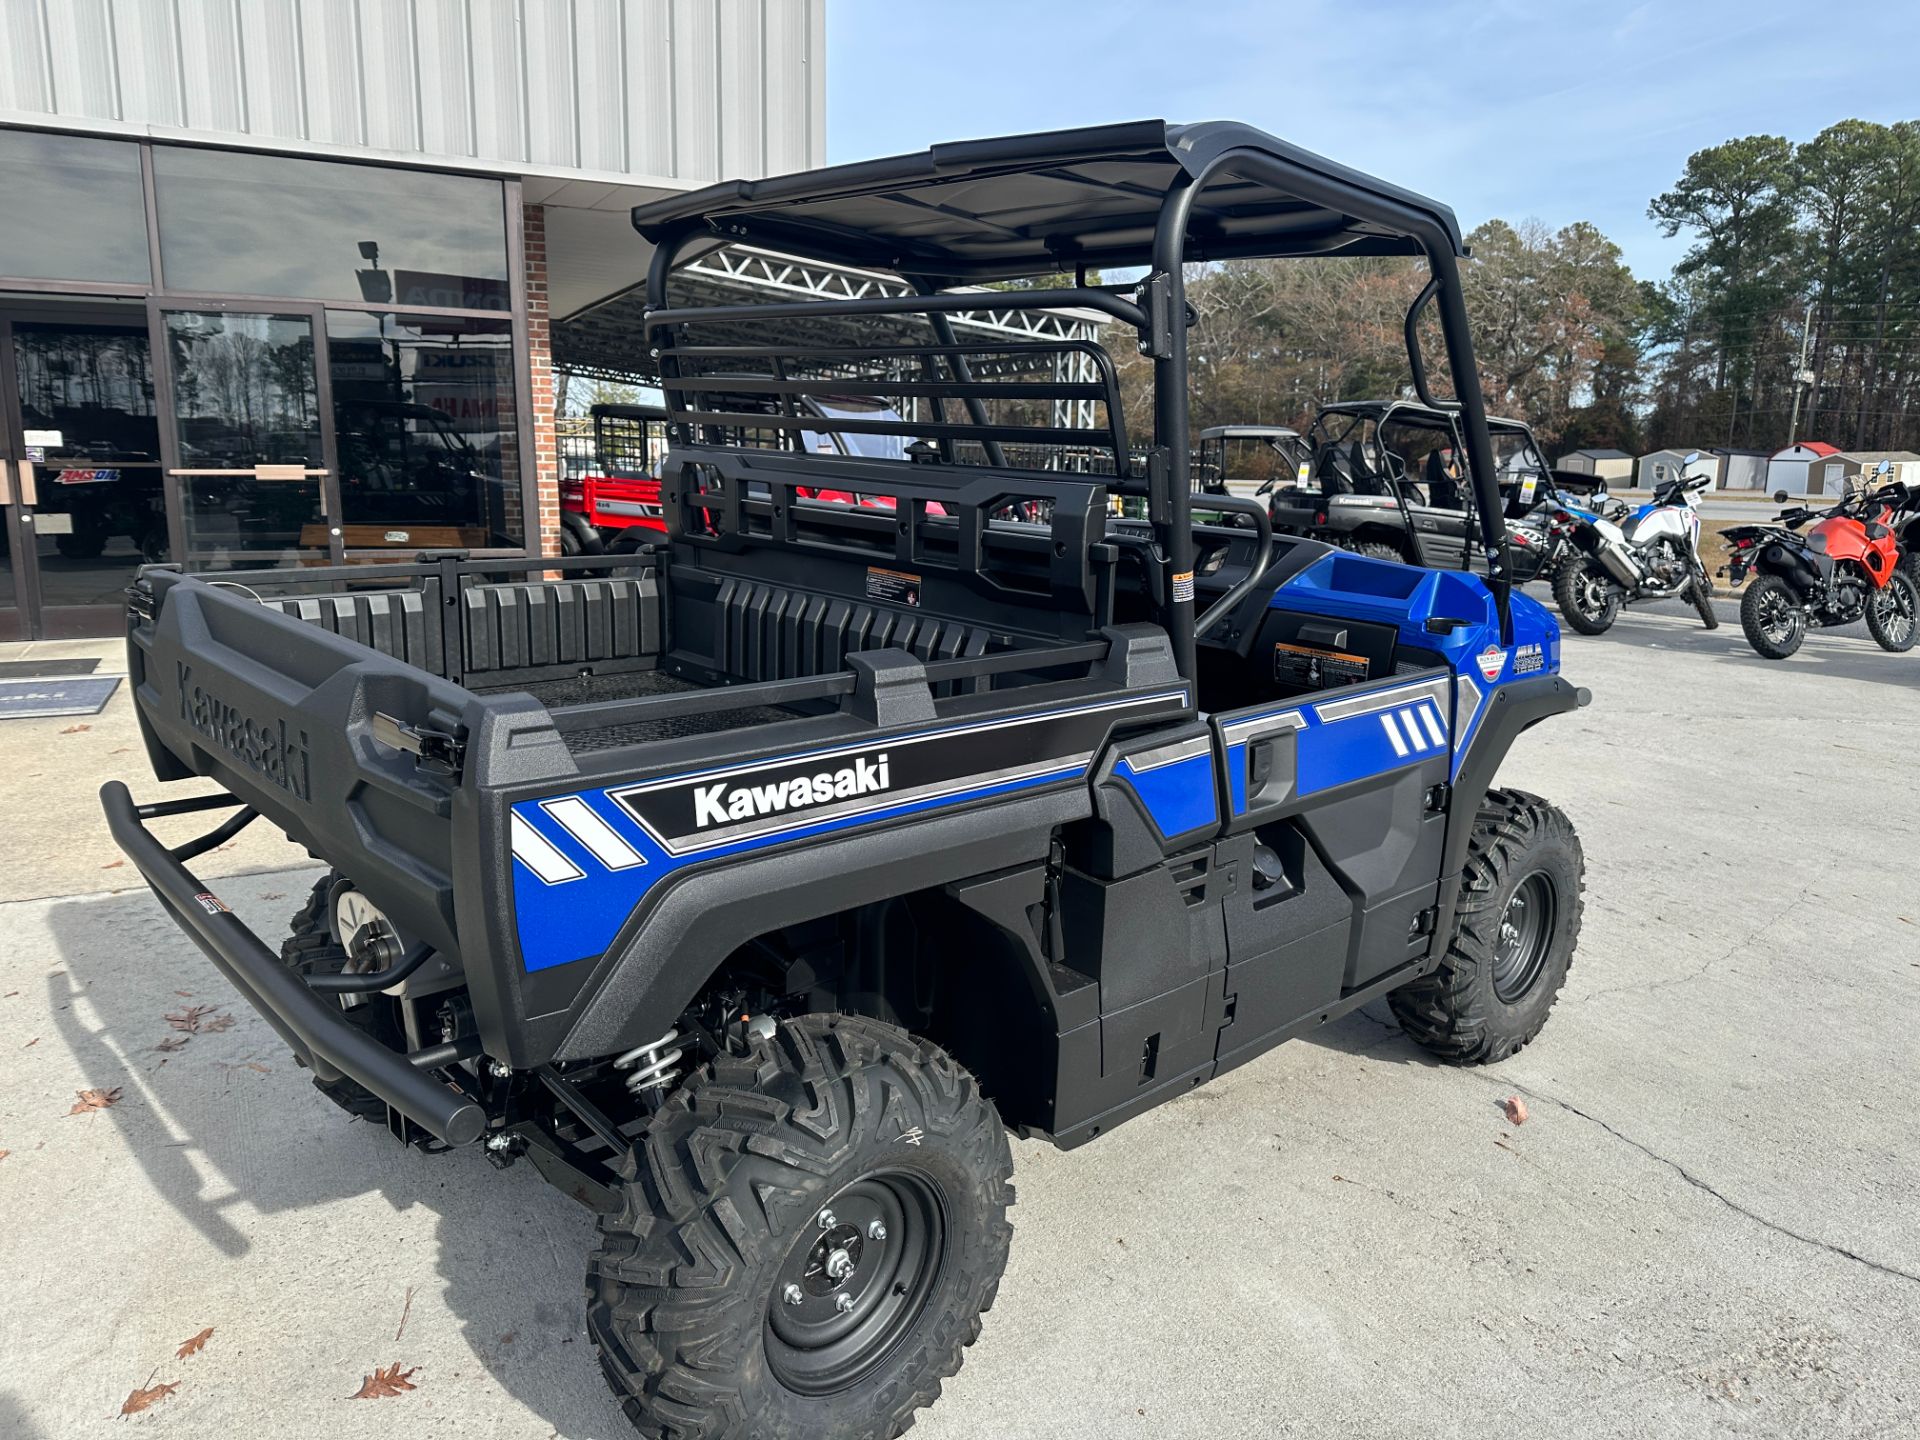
x: 795, y: 213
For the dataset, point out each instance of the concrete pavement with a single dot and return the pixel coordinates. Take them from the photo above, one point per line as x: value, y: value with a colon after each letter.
x: 1708, y: 1226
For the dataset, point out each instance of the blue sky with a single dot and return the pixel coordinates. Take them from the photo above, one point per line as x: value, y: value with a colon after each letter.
x: 1560, y: 109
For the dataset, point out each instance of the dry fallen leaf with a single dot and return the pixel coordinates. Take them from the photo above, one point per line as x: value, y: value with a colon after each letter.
x: 384, y: 1383
x: 148, y: 1397
x: 173, y: 1042
x: 190, y: 1018
x: 94, y: 1100
x: 5, y: 1153
x: 195, y: 1345
x: 31, y: 1043
x: 217, y: 1024
x: 75, y: 729
x: 113, y: 865
x: 1516, y: 1109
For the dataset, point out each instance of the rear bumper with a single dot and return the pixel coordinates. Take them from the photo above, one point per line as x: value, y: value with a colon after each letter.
x: 311, y: 1024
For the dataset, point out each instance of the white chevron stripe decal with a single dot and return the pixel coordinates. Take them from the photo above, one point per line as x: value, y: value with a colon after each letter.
x: 584, y: 824
x: 1435, y: 731
x: 1393, y: 732
x: 537, y: 853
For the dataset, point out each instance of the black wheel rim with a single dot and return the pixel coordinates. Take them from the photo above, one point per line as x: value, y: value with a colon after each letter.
x: 1591, y: 593
x: 1526, y: 935
x: 855, y: 1281
x: 1895, y: 604
x: 1779, y: 621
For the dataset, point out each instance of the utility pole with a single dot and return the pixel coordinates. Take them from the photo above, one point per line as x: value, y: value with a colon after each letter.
x: 1802, y: 379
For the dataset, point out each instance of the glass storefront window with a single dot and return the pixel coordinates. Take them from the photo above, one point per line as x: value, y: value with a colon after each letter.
x: 241, y: 224
x: 427, y: 432
x: 246, y: 415
x: 72, y: 208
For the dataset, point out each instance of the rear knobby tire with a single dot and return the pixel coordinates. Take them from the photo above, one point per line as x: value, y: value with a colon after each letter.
x: 1380, y: 550
x: 1893, y: 613
x: 1700, y: 592
x: 312, y: 950
x: 723, y: 1208
x: 1514, y: 933
x: 1771, y: 615
x: 1586, y: 595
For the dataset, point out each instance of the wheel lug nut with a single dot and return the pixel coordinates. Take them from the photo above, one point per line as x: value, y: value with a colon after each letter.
x: 876, y: 1231
x: 844, y: 1303
x: 792, y: 1295
x: 827, y: 1222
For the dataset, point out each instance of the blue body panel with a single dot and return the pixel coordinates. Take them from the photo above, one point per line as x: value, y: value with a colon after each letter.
x: 1179, y: 796
x: 583, y: 863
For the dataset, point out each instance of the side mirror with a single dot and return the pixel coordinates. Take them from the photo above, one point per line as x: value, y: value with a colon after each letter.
x: 1693, y: 458
x: 1780, y: 497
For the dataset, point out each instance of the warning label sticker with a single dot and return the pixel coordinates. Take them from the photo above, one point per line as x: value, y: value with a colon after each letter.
x: 1313, y: 669
x: 1183, y: 587
x: 893, y: 587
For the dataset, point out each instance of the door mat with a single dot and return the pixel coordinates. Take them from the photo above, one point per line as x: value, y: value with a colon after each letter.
x: 45, y: 669
x: 20, y: 699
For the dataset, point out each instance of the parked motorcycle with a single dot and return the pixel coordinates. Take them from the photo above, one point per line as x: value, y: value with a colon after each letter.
x: 1845, y: 567
x: 1617, y: 556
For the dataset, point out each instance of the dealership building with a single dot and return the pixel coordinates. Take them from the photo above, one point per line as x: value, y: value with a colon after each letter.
x: 285, y: 282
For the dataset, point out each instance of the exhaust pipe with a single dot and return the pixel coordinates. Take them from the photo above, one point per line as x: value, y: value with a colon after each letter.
x: 1620, y: 565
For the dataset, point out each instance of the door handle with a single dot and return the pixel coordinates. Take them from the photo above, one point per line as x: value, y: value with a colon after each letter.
x: 27, y: 491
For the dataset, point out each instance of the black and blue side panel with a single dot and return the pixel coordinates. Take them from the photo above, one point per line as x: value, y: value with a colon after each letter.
x: 1169, y: 777
x: 584, y: 860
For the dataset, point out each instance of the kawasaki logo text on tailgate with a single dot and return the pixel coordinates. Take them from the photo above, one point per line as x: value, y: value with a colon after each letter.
x: 264, y: 747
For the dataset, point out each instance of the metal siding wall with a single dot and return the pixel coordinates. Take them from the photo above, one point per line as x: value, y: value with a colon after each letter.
x: 650, y: 93
x: 80, y: 51
x: 149, y: 74
x: 743, y: 103
x: 389, y: 78
x: 446, y: 77
x: 551, y: 116
x: 330, y: 53
x: 600, y: 74
x: 212, y: 64
x: 498, y: 93
x: 696, y: 90
x: 270, y: 59
x: 789, y: 66
x: 23, y: 57
x: 696, y: 137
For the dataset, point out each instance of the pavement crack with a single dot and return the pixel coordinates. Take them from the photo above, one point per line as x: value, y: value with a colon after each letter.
x: 1652, y: 986
x: 1734, y: 1205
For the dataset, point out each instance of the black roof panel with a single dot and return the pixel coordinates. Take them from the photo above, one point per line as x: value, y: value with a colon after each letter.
x: 1027, y: 204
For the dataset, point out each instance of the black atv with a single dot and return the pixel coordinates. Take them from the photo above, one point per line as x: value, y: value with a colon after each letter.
x: 1386, y: 478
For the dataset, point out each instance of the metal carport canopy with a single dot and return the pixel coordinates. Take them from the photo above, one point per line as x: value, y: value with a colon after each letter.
x: 979, y: 210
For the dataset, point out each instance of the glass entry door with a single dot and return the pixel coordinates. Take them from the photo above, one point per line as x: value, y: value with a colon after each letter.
x: 82, y: 494
x: 251, y: 444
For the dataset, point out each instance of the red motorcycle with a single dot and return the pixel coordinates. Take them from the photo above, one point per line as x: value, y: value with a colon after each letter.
x: 1845, y: 567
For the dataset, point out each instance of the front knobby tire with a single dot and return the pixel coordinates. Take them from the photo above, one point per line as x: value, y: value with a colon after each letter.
x: 1700, y: 592
x: 767, y: 1172
x: 1513, y: 937
x: 1772, y: 616
x: 1893, y: 613
x: 1587, y: 597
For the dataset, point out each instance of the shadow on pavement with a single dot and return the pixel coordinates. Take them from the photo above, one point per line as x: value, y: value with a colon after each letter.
x: 15, y: 1422
x: 511, y: 1251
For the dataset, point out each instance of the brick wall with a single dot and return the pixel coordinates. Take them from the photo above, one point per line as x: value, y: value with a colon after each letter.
x: 546, y: 447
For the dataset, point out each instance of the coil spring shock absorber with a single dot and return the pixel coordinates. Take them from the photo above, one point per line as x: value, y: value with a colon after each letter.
x: 655, y: 1066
